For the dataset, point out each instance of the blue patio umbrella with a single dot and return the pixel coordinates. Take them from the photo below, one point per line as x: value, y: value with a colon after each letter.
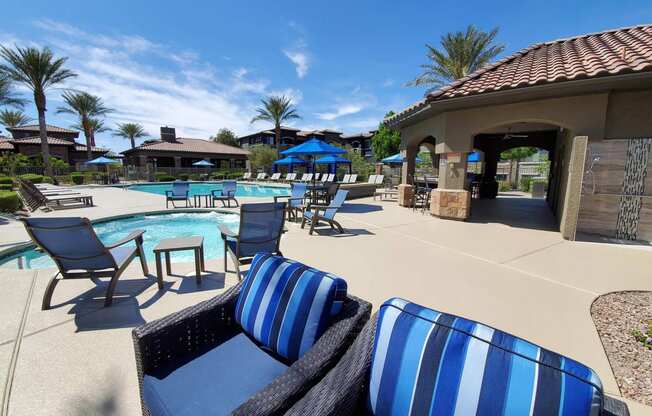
x: 203, y: 164
x: 289, y: 161
x: 313, y: 147
x: 473, y: 157
x: 397, y: 159
x: 102, y: 161
x: 332, y: 161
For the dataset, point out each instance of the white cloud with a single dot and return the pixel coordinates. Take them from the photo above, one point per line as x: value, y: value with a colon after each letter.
x: 153, y: 84
x: 300, y: 61
x: 345, y: 110
x: 388, y: 82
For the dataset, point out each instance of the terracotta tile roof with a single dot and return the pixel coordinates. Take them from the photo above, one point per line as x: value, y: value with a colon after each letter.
x: 50, y: 128
x: 613, y: 52
x: 187, y: 145
x: 366, y: 135
x: 82, y: 148
x: 53, y: 141
x: 5, y: 143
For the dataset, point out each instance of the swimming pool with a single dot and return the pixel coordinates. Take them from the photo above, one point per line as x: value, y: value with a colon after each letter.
x: 248, y: 190
x: 156, y: 226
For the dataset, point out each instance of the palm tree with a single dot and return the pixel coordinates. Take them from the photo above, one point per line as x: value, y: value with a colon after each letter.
x: 276, y: 109
x: 7, y: 96
x: 13, y: 118
x: 39, y: 70
x: 86, y: 107
x: 94, y: 125
x: 462, y: 54
x: 131, y: 131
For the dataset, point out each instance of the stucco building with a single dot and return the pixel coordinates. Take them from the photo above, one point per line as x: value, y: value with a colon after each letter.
x: 587, y: 100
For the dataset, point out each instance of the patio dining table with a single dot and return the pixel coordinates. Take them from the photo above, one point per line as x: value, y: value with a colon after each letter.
x: 314, y: 190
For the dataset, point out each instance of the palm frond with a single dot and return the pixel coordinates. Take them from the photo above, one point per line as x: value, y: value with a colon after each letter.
x: 13, y: 118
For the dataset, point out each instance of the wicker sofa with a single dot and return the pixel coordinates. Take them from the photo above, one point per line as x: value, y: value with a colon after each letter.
x: 352, y: 388
x: 182, y: 338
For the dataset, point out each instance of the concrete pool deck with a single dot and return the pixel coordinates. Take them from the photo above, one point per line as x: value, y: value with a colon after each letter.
x: 527, y: 281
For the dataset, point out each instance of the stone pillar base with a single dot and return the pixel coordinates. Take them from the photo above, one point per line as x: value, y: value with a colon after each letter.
x: 405, y: 195
x: 452, y: 204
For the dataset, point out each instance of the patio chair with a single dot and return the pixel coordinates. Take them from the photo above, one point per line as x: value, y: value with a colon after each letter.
x: 296, y: 201
x: 260, y: 230
x: 227, y: 193
x: 246, y: 176
x: 234, y: 354
x: 261, y: 176
x: 331, y: 178
x: 325, y: 213
x: 290, y: 177
x: 180, y: 192
x: 275, y: 177
x: 317, y: 176
x: 421, y: 196
x: 325, y: 196
x: 79, y: 254
x: 353, y: 178
x: 409, y: 359
x: 308, y: 177
x: 380, y: 179
x: 372, y: 179
x: 324, y: 178
x: 345, y: 179
x: 53, y: 199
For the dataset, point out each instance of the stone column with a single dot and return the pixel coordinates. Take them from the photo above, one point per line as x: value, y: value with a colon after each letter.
x: 177, y: 162
x: 572, y: 196
x: 142, y: 161
x: 434, y: 158
x: 450, y: 200
x: 405, y: 189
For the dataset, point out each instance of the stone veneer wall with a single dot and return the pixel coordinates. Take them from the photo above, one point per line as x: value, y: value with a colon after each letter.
x: 450, y: 203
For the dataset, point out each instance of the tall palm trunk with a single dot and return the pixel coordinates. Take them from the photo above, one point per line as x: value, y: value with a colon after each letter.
x: 277, y: 133
x: 133, y: 142
x: 39, y: 100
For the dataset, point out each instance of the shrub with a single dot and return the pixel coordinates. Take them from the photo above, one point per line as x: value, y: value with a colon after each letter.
x: 504, y: 186
x: 235, y: 175
x: 194, y: 177
x: 6, y: 180
x: 48, y: 179
x: 6, y: 187
x: 77, y: 178
x: 32, y: 178
x: 183, y: 176
x: 525, y: 184
x: 9, y: 201
x: 164, y: 177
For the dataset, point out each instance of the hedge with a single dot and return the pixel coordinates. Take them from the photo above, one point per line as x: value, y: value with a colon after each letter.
x: 6, y: 180
x: 9, y: 201
x: 194, y: 177
x: 6, y: 187
x: 32, y: 178
x: 183, y: 176
x: 235, y: 175
x: 77, y: 178
x: 48, y: 179
x: 164, y: 177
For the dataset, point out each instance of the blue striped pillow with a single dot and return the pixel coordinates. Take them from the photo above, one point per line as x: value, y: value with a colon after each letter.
x: 427, y: 362
x: 286, y: 305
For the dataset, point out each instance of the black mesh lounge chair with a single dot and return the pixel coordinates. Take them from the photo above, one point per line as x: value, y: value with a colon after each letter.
x: 451, y: 365
x: 261, y: 227
x: 180, y: 192
x: 227, y: 193
x: 79, y: 254
x: 325, y: 213
x: 206, y: 359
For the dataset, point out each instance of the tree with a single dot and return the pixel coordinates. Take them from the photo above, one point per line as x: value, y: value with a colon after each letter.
x: 359, y: 164
x: 131, y: 131
x: 94, y: 125
x: 386, y: 142
x: 276, y: 109
x: 7, y: 95
x: 227, y: 137
x: 262, y: 157
x: 86, y: 107
x: 462, y: 54
x: 518, y: 153
x: 38, y: 70
x: 13, y: 118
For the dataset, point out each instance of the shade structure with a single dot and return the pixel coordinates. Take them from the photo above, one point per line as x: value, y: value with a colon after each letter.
x: 102, y: 161
x: 290, y: 160
x: 332, y: 161
x: 473, y: 157
x: 203, y: 163
x: 397, y: 159
x: 313, y: 147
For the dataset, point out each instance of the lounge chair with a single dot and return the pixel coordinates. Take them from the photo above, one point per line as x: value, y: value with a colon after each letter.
x: 289, y: 177
x: 226, y: 193
x: 246, y: 176
x: 261, y: 176
x: 379, y: 179
x: 296, y: 201
x: 308, y: 177
x: 324, y: 178
x: 275, y: 177
x: 235, y: 354
x: 317, y: 175
x: 322, y: 213
x: 260, y: 230
x: 331, y: 178
x: 353, y: 178
x: 79, y: 253
x: 180, y: 192
x: 345, y: 179
x: 409, y: 359
x: 372, y: 179
x: 35, y: 198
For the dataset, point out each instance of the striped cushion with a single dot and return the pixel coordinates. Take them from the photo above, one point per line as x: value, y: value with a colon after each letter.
x: 427, y: 362
x: 286, y: 305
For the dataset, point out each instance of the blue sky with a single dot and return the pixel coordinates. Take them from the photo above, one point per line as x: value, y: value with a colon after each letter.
x: 203, y: 65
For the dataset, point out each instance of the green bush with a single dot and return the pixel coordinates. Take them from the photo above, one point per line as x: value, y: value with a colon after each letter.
x: 9, y: 201
x: 504, y: 186
x: 48, y: 179
x: 194, y: 177
x: 235, y: 175
x: 164, y: 177
x: 77, y: 178
x: 525, y: 184
x: 32, y: 178
x: 183, y: 176
x: 6, y: 187
x: 6, y: 180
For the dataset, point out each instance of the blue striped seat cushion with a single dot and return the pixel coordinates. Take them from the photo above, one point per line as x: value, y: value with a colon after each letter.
x: 430, y: 363
x: 286, y: 305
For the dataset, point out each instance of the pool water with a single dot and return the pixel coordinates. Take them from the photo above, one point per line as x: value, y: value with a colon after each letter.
x: 197, y: 188
x: 156, y: 226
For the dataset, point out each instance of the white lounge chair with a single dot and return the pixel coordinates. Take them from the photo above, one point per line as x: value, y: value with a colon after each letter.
x: 317, y: 176
x: 308, y: 177
x: 275, y: 177
x: 324, y: 178
x: 372, y: 179
x: 353, y: 178
x: 345, y: 179
x: 246, y: 176
x: 331, y: 177
x: 261, y: 176
x: 380, y: 179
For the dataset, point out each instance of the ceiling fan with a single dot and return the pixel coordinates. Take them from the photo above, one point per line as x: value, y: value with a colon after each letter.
x: 510, y: 135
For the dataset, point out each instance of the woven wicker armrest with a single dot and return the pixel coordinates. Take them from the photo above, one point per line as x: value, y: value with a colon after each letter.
x: 169, y: 340
x: 342, y: 390
x: 304, y: 373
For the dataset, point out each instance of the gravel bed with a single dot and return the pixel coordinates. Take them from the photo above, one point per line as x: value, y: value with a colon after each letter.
x: 616, y: 315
